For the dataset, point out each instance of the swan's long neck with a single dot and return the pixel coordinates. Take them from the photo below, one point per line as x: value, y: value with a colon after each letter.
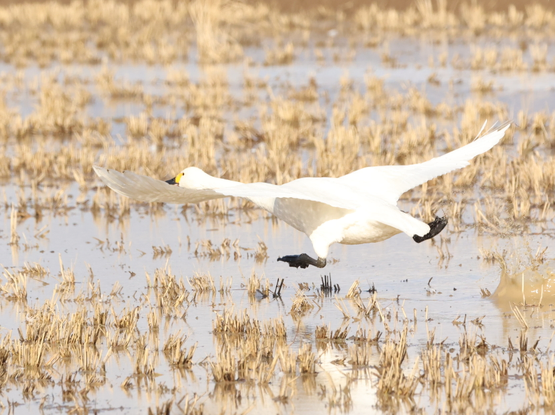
x: 195, y: 178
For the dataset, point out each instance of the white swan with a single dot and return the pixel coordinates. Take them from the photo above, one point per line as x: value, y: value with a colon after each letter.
x: 357, y: 208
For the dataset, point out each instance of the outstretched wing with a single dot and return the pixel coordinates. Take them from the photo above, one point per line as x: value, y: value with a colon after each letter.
x: 147, y: 189
x: 304, y: 203
x: 390, y: 182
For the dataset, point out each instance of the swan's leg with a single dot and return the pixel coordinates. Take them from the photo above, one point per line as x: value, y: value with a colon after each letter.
x: 303, y: 261
x: 435, y: 227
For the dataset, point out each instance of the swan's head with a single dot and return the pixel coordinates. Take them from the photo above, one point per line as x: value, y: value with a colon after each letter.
x: 194, y: 178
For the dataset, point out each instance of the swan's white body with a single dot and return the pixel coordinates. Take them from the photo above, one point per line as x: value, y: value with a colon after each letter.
x: 357, y: 208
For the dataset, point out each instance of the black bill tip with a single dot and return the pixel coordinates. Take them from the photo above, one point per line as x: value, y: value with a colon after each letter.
x: 171, y: 181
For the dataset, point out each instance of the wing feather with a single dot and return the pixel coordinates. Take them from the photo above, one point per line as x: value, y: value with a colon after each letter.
x: 390, y: 182
x: 147, y: 189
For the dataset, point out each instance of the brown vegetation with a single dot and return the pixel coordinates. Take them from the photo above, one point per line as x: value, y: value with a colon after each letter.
x: 245, y: 126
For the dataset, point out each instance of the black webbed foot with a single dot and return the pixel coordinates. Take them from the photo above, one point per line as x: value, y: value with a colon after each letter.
x: 435, y: 227
x: 303, y: 261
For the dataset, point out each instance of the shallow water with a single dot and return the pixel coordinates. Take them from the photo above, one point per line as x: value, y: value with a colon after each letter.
x: 411, y: 280
x: 400, y: 270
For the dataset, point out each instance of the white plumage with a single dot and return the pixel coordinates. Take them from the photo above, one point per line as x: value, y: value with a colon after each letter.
x: 357, y: 208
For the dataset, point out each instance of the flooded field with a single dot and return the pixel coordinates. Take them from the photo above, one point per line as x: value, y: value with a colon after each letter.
x: 108, y: 305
